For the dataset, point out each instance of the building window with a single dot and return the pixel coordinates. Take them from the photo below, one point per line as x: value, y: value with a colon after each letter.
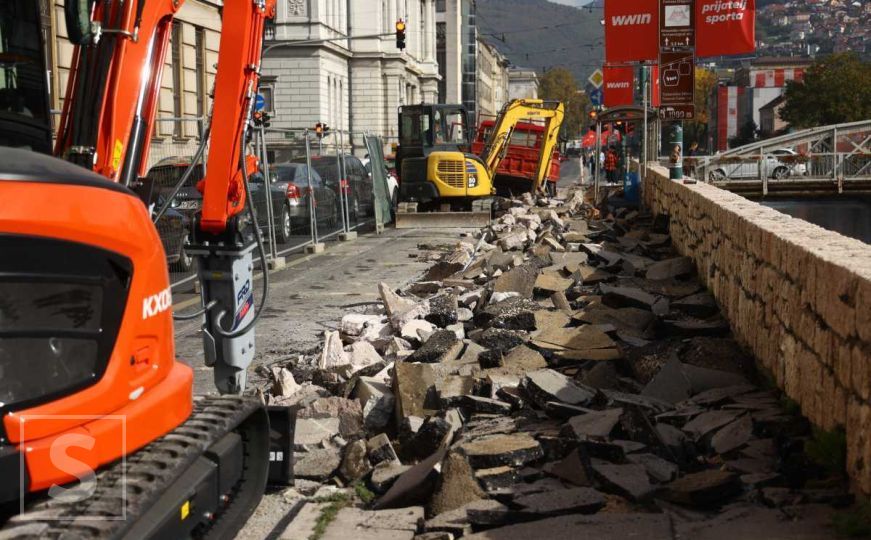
x: 440, y: 6
x: 202, y: 74
x: 267, y: 93
x: 177, y: 78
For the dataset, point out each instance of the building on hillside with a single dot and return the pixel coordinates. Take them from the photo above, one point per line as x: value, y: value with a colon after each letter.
x: 740, y: 100
x: 522, y: 83
x: 492, y: 80
x: 457, y: 52
x: 188, y: 76
x: 770, y: 123
x: 352, y: 85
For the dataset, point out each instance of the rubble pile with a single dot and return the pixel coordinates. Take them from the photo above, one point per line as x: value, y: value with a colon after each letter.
x: 558, y: 369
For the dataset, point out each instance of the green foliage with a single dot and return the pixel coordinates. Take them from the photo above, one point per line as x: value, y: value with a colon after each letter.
x: 854, y: 523
x: 746, y: 135
x: 835, y: 89
x: 560, y: 84
x: 829, y: 450
x: 790, y: 406
x: 697, y: 130
x: 363, y: 492
x: 336, y: 501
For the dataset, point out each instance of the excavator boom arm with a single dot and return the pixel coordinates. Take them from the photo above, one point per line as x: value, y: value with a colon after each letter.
x: 552, y: 112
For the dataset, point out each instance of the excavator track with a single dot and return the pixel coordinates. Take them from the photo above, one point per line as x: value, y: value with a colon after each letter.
x: 201, y: 480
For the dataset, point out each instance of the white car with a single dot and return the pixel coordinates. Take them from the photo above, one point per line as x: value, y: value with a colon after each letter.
x: 779, y: 164
x: 392, y: 183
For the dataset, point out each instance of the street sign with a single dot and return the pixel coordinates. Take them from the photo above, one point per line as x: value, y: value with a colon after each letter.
x: 597, y: 78
x: 676, y: 85
x: 676, y: 25
x: 259, y: 102
x: 596, y: 97
x: 677, y: 112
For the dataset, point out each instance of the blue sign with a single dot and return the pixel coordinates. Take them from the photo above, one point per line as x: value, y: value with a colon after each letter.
x: 596, y: 96
x: 259, y: 102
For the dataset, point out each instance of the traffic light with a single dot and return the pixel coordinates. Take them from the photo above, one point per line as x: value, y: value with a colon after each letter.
x: 400, y: 34
x: 262, y: 118
x: 321, y: 129
x: 593, y: 114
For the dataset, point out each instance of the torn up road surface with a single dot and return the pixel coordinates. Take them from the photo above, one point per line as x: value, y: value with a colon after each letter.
x: 563, y: 373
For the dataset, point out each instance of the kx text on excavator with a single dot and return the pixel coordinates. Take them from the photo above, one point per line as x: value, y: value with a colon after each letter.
x: 100, y: 436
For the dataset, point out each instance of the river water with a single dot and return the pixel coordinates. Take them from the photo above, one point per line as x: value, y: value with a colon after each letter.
x: 848, y: 215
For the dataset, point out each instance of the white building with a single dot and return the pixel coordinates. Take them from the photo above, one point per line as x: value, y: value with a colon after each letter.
x: 492, y: 81
x: 522, y: 83
x: 349, y: 84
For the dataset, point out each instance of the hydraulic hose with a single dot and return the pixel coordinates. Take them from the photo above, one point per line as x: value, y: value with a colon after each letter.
x: 187, y: 174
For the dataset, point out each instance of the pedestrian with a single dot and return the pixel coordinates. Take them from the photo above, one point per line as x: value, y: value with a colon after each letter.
x: 611, y: 165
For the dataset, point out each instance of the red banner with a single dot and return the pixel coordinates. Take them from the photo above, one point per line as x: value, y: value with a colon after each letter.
x: 723, y: 27
x: 619, y: 85
x: 631, y: 30
x: 654, y: 90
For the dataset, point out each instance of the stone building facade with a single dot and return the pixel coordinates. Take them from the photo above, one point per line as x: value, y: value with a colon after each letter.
x: 188, y: 77
x: 522, y: 83
x: 311, y: 74
x: 492, y: 80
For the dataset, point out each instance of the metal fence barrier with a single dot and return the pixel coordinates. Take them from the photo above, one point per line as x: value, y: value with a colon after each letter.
x: 307, y: 190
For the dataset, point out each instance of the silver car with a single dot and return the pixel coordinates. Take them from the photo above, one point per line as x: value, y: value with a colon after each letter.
x: 291, y: 199
x: 779, y: 163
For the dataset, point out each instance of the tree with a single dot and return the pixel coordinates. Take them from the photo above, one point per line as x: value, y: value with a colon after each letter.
x: 746, y: 135
x: 559, y: 84
x: 697, y: 129
x: 835, y: 89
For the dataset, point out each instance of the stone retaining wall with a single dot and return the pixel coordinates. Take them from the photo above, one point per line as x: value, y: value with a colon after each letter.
x: 795, y: 294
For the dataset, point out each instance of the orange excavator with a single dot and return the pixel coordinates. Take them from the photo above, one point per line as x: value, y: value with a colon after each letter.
x: 100, y: 436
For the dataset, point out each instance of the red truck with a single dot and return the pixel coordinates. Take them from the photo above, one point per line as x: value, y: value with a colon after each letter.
x: 517, y: 171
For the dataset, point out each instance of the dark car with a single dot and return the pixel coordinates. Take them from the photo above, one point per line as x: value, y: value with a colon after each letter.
x: 359, y: 185
x: 289, y: 193
x: 174, y: 230
x: 166, y: 174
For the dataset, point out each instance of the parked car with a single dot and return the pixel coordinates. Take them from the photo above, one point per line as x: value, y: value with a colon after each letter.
x: 290, y: 194
x: 779, y: 163
x: 166, y: 174
x: 359, y: 187
x: 174, y: 230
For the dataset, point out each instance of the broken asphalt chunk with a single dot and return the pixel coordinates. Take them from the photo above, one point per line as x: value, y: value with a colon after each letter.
x: 547, y: 385
x: 493, y: 451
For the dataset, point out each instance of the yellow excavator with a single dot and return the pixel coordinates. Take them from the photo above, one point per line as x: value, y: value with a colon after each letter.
x: 442, y: 184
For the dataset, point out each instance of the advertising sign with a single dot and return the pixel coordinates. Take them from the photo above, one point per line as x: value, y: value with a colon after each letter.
x: 677, y: 85
x: 725, y: 27
x: 631, y: 30
x: 619, y: 85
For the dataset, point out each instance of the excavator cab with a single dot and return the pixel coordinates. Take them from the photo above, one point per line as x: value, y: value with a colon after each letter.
x: 432, y: 158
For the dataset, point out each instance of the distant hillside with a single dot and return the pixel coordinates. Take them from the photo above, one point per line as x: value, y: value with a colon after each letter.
x: 539, y: 34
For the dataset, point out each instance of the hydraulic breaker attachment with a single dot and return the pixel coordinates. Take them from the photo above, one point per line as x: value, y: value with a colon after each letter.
x: 226, y: 273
